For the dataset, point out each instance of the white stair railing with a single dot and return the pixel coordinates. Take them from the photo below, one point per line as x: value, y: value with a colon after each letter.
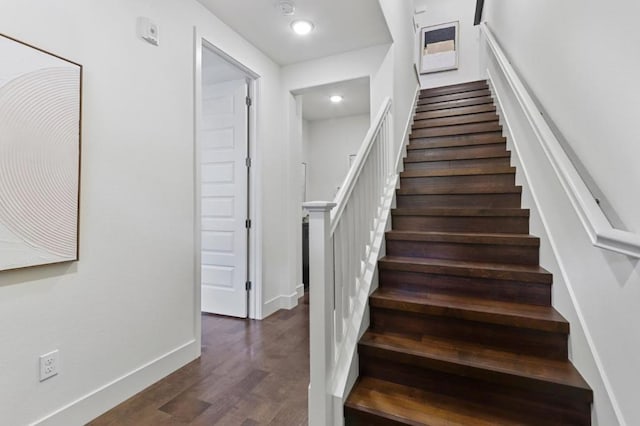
x: 343, y: 237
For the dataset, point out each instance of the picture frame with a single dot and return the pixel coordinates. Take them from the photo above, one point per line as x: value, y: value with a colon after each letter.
x: 439, y: 47
x: 40, y: 142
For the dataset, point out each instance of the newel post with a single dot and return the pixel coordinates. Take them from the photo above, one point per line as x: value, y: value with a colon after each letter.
x: 320, y: 312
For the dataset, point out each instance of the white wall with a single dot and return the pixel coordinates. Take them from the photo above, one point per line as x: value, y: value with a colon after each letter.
x: 596, y: 290
x: 399, y: 16
x: 443, y: 11
x: 329, y: 144
x: 124, y: 315
x: 579, y: 61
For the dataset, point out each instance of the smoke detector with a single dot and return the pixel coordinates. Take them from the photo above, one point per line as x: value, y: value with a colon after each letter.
x: 287, y: 8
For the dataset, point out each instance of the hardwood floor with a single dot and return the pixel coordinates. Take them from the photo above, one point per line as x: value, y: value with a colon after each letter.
x: 250, y: 373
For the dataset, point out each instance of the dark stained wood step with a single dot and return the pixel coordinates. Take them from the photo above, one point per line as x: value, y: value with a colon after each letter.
x: 461, y: 268
x: 458, y: 153
x: 454, y: 88
x: 377, y: 402
x: 467, y: 171
x: 503, y: 248
x: 454, y: 112
x: 452, y: 121
x: 455, y: 104
x: 457, y: 190
x: 503, y: 221
x: 454, y: 96
x: 468, y: 359
x: 522, y: 316
x: 500, y: 161
x: 505, y: 199
x: 456, y: 140
x: 519, y: 328
x: 461, y: 129
x: 467, y: 177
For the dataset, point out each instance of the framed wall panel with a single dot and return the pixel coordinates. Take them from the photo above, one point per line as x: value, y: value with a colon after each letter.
x: 40, y: 122
x: 439, y: 48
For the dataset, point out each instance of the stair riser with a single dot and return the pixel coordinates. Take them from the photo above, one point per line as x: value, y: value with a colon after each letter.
x: 510, y: 338
x: 432, y: 99
x: 523, y: 255
x: 511, y: 200
x: 459, y: 164
x: 549, y: 407
x: 493, y: 377
x: 454, y: 88
x: 456, y: 140
x: 471, y: 181
x: 462, y: 129
x: 457, y: 153
x: 497, y: 225
x: 454, y: 121
x: 454, y: 104
x: 455, y: 112
x: 482, y: 288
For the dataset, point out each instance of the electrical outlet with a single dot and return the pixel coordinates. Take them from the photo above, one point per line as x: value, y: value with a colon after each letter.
x: 48, y: 365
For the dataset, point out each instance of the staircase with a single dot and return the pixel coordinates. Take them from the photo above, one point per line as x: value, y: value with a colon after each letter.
x: 462, y: 329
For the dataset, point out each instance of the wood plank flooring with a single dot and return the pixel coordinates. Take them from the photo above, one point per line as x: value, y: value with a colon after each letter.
x: 250, y: 373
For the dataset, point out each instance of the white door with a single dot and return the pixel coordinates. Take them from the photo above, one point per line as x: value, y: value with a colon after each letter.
x: 224, y: 198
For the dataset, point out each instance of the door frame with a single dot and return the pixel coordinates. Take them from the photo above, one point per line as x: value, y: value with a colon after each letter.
x: 255, y: 188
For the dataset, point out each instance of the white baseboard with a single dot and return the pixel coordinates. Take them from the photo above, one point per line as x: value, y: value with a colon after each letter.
x: 93, y: 404
x: 284, y: 301
x: 300, y: 290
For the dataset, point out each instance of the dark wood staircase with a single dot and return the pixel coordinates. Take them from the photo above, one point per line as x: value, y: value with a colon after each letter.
x: 462, y: 328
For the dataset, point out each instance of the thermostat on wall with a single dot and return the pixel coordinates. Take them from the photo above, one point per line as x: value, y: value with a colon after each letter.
x: 148, y: 31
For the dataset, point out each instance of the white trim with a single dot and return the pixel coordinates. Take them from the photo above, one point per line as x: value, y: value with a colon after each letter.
x: 506, y: 122
x: 595, y: 223
x: 300, y: 290
x: 85, y: 408
x: 255, y: 249
x: 284, y: 301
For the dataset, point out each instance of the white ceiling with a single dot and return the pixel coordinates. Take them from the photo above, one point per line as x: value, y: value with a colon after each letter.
x: 316, y: 104
x: 340, y: 26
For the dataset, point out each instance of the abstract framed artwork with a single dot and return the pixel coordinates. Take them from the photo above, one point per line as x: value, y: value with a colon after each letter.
x: 40, y: 113
x: 439, y: 48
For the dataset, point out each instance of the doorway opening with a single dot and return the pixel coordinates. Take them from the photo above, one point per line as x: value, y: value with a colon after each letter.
x: 224, y: 146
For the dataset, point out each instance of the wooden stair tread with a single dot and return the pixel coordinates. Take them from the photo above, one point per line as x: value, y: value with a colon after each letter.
x: 445, y: 97
x: 454, y: 121
x: 453, y: 112
x: 469, y: 356
x: 463, y: 237
x: 454, y: 88
x: 534, y: 317
x: 460, y: 212
x: 525, y: 273
x: 460, y: 190
x: 463, y: 171
x: 401, y: 404
x: 455, y: 141
x: 455, y: 104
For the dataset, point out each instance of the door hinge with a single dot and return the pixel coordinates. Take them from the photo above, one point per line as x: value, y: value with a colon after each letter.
x: 247, y: 223
x: 248, y: 161
x: 249, y: 102
x: 247, y: 285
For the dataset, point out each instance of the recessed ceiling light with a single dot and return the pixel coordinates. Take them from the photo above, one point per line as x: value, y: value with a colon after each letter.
x: 336, y: 99
x: 302, y: 27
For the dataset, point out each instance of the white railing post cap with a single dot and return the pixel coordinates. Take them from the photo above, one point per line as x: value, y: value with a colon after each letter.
x: 318, y: 206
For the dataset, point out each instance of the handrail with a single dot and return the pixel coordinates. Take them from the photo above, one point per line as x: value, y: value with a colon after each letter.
x: 354, y: 171
x: 598, y: 227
